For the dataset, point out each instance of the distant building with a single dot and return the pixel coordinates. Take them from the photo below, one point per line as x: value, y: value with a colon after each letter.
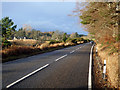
x: 14, y: 38
x: 24, y: 37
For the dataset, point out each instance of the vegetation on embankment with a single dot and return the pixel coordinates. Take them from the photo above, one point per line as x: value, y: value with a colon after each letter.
x: 17, y: 51
x: 106, y: 53
x: 101, y: 20
x: 111, y: 64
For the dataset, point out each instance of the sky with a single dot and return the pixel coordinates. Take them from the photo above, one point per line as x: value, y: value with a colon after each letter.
x: 44, y: 16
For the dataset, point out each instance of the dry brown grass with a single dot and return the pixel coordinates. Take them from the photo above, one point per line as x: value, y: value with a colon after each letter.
x: 44, y: 46
x: 19, y: 51
x: 78, y: 42
x: 28, y: 42
x: 61, y: 44
x: 69, y: 44
x: 97, y: 71
x: 112, y: 64
x: 56, y: 45
x: 16, y: 51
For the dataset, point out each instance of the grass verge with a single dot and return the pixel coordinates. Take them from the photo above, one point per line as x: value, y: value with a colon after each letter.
x: 14, y: 53
x: 111, y: 80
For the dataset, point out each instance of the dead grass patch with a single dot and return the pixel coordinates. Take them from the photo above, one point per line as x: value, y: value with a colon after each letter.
x: 44, y: 46
x: 112, y: 64
x: 25, y: 42
x: 20, y: 51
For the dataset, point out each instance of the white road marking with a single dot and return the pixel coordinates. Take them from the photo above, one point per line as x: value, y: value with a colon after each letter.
x: 28, y: 75
x: 77, y: 48
x: 90, y: 70
x: 61, y: 57
x: 72, y: 51
x: 8, y: 86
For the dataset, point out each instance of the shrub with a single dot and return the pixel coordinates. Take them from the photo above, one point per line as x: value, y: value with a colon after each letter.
x: 85, y: 41
x: 69, y: 39
x: 74, y: 41
x: 69, y: 43
x: 78, y: 42
x: 53, y: 41
x: 44, y: 46
x: 55, y: 45
x: 6, y: 44
x: 61, y: 44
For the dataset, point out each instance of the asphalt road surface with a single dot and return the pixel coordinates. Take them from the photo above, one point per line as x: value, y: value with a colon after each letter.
x: 64, y: 68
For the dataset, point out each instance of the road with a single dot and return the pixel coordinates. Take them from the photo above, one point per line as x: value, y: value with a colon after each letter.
x: 64, y: 68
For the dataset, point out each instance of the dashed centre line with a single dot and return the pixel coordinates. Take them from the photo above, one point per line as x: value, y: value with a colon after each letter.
x: 37, y: 70
x: 77, y: 48
x: 61, y: 57
x: 72, y: 51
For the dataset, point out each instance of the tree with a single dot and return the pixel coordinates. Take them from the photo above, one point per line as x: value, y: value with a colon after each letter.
x: 7, y: 27
x: 57, y: 35
x: 101, y: 20
x: 74, y: 35
x: 65, y: 37
x: 20, y: 33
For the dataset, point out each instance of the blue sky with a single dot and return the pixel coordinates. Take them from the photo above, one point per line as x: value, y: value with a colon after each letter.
x: 43, y: 16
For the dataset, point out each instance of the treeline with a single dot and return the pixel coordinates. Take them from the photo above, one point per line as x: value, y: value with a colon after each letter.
x: 101, y: 20
x: 9, y: 32
x: 43, y: 36
x: 31, y: 34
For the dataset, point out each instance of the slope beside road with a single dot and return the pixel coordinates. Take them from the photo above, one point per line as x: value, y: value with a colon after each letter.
x: 67, y: 68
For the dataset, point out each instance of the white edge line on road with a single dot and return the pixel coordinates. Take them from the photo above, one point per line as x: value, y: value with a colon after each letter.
x: 61, y: 57
x: 90, y: 70
x: 8, y: 86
